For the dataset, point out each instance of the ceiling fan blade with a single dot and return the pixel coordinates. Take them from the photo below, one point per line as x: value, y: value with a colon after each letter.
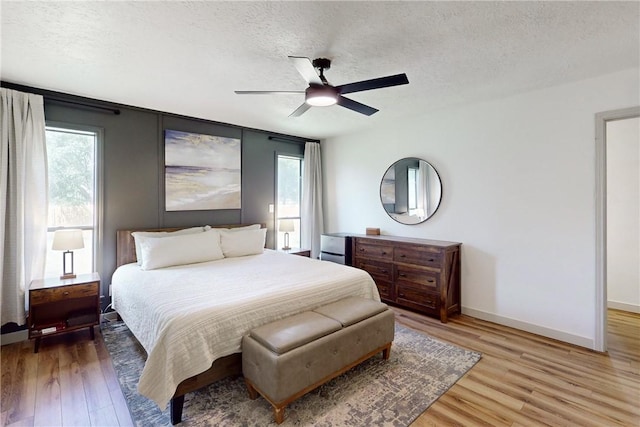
x: 300, y: 110
x: 356, y: 106
x: 267, y: 92
x: 398, y: 79
x: 306, y: 69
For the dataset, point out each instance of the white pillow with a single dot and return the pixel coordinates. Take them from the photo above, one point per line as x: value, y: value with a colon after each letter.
x: 246, y: 227
x: 244, y: 242
x: 179, y: 250
x: 156, y: 234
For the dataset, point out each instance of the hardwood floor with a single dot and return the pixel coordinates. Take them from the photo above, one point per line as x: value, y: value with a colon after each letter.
x: 527, y: 380
x: 521, y: 380
x: 69, y: 382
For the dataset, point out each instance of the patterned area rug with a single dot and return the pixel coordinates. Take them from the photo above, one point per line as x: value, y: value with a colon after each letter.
x: 375, y: 393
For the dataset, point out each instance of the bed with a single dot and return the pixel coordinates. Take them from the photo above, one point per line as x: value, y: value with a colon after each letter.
x: 190, y: 318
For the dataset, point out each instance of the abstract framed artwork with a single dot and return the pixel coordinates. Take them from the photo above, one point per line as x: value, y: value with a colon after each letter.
x: 202, y: 172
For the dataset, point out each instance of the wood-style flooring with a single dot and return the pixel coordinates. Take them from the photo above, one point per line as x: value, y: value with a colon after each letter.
x: 522, y: 379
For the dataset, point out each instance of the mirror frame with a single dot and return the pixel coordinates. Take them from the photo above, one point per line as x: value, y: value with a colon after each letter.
x: 382, y: 181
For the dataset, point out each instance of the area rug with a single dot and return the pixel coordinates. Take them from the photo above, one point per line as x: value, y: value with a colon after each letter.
x: 376, y: 393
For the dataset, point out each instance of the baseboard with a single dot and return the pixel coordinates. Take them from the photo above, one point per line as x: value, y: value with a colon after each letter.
x: 623, y: 306
x: 528, y: 327
x: 12, y: 337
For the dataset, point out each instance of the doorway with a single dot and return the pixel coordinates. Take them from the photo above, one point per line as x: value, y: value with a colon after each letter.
x: 602, y: 119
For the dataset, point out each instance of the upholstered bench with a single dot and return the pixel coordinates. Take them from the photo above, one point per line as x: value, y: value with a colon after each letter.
x: 287, y: 358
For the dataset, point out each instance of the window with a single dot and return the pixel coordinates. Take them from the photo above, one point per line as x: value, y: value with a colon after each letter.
x: 412, y: 187
x: 73, y: 194
x: 289, y: 187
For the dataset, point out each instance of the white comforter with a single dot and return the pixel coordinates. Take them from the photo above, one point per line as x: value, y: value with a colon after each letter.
x: 188, y: 316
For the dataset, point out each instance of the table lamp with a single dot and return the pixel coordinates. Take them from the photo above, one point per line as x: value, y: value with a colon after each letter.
x: 67, y: 240
x: 286, y: 225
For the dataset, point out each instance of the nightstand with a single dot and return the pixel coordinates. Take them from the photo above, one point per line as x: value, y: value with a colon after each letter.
x: 58, y: 306
x: 297, y: 251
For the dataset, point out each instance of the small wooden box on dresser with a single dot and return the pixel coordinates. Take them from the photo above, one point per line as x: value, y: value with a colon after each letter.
x: 419, y: 274
x: 58, y: 306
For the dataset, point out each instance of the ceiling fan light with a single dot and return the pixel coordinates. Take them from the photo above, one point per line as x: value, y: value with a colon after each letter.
x: 322, y: 96
x: 321, y: 100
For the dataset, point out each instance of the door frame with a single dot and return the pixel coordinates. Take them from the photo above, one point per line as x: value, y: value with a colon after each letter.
x: 602, y: 118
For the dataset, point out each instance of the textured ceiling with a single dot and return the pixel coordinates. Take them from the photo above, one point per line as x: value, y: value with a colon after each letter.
x: 189, y: 57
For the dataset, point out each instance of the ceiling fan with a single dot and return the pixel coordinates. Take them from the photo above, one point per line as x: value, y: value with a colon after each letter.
x: 320, y: 93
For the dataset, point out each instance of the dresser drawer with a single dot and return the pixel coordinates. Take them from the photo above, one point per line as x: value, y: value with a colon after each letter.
x: 418, y: 277
x: 426, y: 256
x: 381, y: 252
x: 39, y: 296
x: 377, y: 269
x: 420, y: 299
x: 385, y: 289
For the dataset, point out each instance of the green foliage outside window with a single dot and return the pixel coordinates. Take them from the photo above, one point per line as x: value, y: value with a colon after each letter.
x: 71, y: 161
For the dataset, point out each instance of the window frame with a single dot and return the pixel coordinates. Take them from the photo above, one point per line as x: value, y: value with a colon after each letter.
x: 277, y: 218
x: 98, y: 186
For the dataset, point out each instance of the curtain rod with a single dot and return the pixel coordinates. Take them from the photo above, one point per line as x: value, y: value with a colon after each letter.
x: 83, y: 105
x: 283, y: 139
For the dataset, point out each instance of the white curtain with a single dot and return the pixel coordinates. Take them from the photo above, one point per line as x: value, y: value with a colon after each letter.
x: 311, y: 215
x: 424, y: 191
x: 23, y: 199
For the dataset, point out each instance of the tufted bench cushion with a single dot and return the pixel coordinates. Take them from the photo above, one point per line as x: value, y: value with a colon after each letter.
x: 287, y: 358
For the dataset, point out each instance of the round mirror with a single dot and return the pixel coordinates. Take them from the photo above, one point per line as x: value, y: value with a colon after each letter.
x: 410, y: 191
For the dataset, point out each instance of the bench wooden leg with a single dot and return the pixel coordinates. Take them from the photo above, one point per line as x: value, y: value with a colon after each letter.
x: 278, y: 414
x: 253, y: 394
x: 386, y: 353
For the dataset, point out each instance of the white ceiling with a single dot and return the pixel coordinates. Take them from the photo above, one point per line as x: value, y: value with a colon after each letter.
x: 189, y: 57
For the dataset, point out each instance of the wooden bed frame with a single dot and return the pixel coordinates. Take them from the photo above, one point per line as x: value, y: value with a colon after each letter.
x: 221, y: 368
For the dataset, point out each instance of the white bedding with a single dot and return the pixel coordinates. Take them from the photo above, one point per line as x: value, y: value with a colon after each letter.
x: 188, y: 316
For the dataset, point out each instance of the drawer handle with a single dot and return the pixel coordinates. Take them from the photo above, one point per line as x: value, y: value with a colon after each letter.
x: 65, y: 293
x: 431, y: 281
x: 402, y: 275
x: 384, y: 271
x: 403, y: 256
x: 401, y: 295
x: 384, y: 253
x: 361, y: 249
x: 431, y: 260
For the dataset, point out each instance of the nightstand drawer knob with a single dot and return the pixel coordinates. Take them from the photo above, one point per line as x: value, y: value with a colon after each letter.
x: 65, y: 293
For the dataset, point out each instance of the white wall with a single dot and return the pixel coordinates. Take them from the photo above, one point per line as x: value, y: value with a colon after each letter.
x: 623, y: 214
x: 518, y: 191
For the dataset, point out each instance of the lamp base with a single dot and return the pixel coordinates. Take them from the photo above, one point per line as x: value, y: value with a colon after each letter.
x: 67, y: 274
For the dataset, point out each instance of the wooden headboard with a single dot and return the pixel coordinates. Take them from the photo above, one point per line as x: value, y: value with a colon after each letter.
x: 126, y: 247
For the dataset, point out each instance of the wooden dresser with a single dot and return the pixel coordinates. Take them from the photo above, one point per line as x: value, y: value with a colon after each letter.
x: 419, y: 274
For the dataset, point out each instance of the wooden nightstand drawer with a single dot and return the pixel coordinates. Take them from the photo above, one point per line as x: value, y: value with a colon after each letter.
x: 40, y: 296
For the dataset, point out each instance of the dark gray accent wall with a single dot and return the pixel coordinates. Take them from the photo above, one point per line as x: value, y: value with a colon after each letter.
x: 259, y: 177
x: 133, y: 169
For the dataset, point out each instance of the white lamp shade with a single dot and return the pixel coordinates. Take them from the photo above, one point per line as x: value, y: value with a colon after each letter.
x: 66, y: 240
x: 286, y: 225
